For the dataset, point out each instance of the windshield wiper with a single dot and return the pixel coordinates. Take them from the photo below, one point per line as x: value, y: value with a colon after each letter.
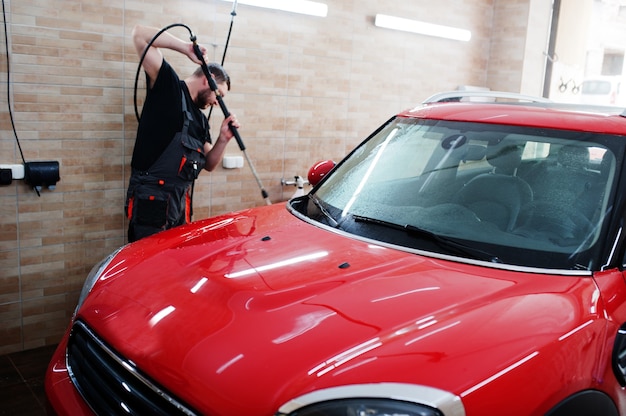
x: 444, y: 242
x: 323, y: 210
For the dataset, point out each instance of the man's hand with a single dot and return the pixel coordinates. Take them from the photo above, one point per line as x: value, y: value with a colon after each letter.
x: 215, y: 153
x: 153, y: 58
x: 225, y: 132
x: 191, y: 53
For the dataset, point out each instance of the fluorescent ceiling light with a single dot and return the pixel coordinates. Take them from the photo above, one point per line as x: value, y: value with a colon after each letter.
x: 423, y: 28
x: 312, y: 8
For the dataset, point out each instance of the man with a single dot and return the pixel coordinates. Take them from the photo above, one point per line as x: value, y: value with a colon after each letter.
x: 173, y: 143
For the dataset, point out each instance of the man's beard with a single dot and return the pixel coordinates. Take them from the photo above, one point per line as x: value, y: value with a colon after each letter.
x: 203, y: 100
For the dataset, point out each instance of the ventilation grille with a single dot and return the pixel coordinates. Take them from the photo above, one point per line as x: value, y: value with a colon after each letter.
x: 111, y: 384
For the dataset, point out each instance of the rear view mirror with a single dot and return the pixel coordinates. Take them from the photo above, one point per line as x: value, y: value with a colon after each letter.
x: 319, y: 170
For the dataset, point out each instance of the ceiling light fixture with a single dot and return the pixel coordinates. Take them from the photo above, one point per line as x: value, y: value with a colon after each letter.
x: 423, y: 28
x: 312, y: 8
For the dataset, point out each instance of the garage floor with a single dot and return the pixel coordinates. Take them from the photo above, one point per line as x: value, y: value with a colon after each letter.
x: 22, y: 382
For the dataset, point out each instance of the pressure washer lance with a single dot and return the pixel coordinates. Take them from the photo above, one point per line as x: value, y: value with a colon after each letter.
x: 220, y: 101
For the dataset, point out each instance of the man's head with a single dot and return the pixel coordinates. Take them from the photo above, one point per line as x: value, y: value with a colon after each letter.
x: 206, y: 97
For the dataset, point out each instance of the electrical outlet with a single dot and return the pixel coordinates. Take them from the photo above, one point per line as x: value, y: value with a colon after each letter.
x: 17, y: 171
x: 232, y: 162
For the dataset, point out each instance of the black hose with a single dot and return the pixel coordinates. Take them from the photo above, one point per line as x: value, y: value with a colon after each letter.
x: 143, y: 55
x: 6, y: 42
x: 9, y: 106
x: 233, y: 13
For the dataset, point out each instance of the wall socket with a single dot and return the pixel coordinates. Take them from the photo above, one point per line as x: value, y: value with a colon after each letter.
x: 16, y: 170
x: 232, y: 162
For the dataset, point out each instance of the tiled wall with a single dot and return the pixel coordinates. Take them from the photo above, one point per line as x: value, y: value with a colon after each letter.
x: 304, y: 89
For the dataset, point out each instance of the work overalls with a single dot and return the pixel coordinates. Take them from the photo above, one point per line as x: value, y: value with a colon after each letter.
x: 160, y: 198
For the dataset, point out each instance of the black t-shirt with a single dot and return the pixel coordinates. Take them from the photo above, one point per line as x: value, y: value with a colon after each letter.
x: 161, y: 118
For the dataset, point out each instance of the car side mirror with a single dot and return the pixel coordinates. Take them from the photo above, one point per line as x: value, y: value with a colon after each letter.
x: 319, y: 170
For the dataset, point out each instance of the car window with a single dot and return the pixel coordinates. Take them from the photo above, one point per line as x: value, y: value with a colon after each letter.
x: 596, y: 87
x: 532, y: 197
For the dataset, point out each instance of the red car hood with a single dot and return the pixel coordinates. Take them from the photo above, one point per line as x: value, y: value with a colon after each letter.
x: 241, y: 313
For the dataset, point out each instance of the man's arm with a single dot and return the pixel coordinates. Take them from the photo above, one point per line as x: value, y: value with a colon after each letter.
x: 215, y: 153
x: 153, y: 60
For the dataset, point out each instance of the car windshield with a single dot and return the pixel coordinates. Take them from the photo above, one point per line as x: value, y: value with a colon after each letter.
x: 508, y: 194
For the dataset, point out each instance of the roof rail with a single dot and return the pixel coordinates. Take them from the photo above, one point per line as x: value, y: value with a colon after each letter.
x: 493, y: 95
x: 512, y: 97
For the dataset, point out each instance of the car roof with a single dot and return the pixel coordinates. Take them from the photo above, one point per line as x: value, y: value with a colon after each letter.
x: 520, y: 110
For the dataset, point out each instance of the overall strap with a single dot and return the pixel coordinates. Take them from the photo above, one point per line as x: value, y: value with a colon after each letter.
x: 187, y: 117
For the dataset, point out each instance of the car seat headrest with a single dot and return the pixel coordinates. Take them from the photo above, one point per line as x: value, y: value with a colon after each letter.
x: 505, y: 158
x: 573, y: 157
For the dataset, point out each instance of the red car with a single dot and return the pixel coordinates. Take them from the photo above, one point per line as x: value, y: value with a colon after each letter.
x: 465, y: 259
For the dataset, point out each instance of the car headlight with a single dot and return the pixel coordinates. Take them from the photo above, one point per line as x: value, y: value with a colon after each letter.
x: 375, y: 399
x: 93, y: 277
x: 366, y: 407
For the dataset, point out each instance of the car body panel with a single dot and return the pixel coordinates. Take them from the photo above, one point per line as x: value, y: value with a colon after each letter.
x: 519, y: 115
x: 246, y: 312
x: 470, y: 321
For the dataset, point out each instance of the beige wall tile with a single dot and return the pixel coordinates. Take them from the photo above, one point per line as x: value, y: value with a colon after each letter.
x: 304, y: 88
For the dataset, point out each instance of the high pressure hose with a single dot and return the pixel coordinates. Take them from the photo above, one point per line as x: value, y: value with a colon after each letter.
x: 233, y: 13
x: 213, y: 87
x: 143, y: 56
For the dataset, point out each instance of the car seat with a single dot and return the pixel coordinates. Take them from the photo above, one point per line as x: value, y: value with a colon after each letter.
x: 565, y: 198
x: 498, y: 196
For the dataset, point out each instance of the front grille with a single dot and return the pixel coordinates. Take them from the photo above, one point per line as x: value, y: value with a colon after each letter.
x: 112, y: 385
